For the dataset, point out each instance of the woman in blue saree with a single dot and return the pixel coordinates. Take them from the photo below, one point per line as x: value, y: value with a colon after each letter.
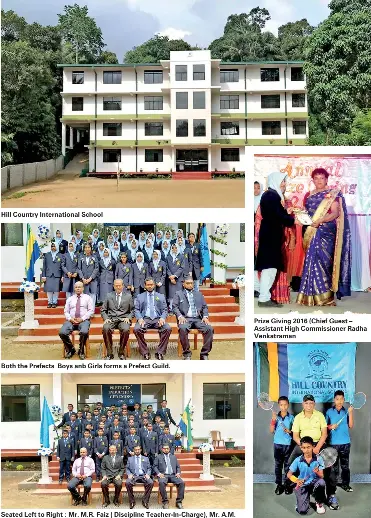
x: 327, y: 247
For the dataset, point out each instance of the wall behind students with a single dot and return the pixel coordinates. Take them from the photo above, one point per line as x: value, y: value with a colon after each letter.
x: 360, y: 456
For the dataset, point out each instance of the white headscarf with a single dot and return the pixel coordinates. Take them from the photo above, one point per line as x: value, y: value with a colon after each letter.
x: 159, y: 239
x: 54, y: 254
x: 133, y: 251
x: 174, y: 256
x: 274, y: 182
x: 116, y: 235
x: 168, y: 238
x: 101, y: 252
x: 258, y: 197
x: 72, y: 254
x: 179, y: 230
x: 141, y: 264
x: 181, y: 248
x: 110, y: 242
x: 79, y: 237
x: 166, y: 251
x: 58, y: 240
x: 132, y: 237
x: 155, y: 262
x: 115, y: 252
x: 106, y: 260
x: 142, y: 241
x: 95, y: 239
x: 124, y: 242
x: 151, y: 237
x: 149, y: 250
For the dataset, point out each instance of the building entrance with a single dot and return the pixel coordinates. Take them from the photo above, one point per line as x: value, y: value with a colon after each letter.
x: 191, y: 160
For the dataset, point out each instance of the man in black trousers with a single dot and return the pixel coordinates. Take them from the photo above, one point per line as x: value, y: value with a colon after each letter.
x: 112, y: 470
x: 191, y: 310
x: 167, y: 469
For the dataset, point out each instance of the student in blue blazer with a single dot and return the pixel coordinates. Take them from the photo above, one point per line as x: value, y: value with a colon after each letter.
x: 69, y: 267
x: 157, y: 270
x: 123, y: 271
x: 106, y: 274
x: 88, y: 270
x: 51, y: 275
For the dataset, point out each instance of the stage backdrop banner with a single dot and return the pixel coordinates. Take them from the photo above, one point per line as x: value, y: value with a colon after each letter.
x: 320, y: 370
x: 351, y: 175
x: 120, y: 394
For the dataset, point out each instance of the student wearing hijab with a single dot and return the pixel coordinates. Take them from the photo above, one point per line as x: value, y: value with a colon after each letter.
x: 148, y: 251
x: 158, y: 240
x: 157, y: 270
x: 73, y: 240
x: 115, y: 251
x: 132, y: 252
x: 69, y: 268
x: 61, y: 243
x: 165, y: 249
x: 142, y: 240
x: 179, y: 233
x: 116, y: 235
x: 51, y: 275
x: 269, y: 256
x: 88, y: 270
x: 168, y: 236
x: 123, y: 271
x: 181, y: 245
x: 99, y: 253
x: 79, y: 241
x: 151, y: 237
x: 130, y: 239
x: 123, y: 242
x: 96, y: 239
x: 106, y: 274
x: 90, y: 241
x: 174, y: 272
x: 139, y: 271
x: 110, y: 241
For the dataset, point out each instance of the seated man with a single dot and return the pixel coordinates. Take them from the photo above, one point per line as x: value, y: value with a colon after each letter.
x: 190, y: 308
x: 166, y: 467
x: 138, y: 470
x: 151, y: 312
x: 117, y: 312
x: 78, y: 310
x: 112, y: 470
x: 82, y: 471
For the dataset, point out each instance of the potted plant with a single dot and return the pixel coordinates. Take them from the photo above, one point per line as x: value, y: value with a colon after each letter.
x: 229, y: 443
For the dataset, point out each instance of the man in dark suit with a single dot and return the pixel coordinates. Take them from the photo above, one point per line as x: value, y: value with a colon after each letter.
x: 149, y: 443
x: 66, y: 416
x: 190, y: 308
x: 151, y: 313
x: 137, y: 413
x: 117, y: 312
x: 197, y: 262
x: 151, y: 413
x: 138, y: 470
x: 100, y: 450
x: 165, y: 413
x: 112, y: 470
x: 131, y: 441
x: 65, y: 454
x: 167, y: 438
x: 166, y: 467
x: 116, y: 426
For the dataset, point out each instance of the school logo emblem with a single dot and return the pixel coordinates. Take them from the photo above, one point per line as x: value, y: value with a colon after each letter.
x: 318, y: 362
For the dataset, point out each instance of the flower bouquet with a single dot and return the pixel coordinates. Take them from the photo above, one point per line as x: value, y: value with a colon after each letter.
x: 28, y: 287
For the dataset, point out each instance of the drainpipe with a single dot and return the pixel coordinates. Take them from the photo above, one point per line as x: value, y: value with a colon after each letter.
x: 95, y: 119
x: 286, y: 133
x: 245, y: 104
x: 136, y: 118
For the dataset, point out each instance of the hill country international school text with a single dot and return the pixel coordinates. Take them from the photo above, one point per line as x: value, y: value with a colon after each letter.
x: 37, y: 215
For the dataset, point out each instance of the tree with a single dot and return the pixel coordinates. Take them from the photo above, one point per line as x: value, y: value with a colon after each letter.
x: 361, y: 129
x: 293, y: 38
x: 338, y: 66
x: 108, y: 57
x: 82, y: 32
x: 12, y: 26
x: 155, y: 49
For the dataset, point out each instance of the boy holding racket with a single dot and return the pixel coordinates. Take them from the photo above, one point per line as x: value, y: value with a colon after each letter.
x: 339, y: 421
x: 280, y: 426
x: 307, y: 473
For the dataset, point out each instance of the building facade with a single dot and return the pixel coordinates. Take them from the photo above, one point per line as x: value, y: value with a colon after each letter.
x: 189, y: 113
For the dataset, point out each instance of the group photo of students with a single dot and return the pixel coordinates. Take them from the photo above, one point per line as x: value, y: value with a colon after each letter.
x: 311, y: 428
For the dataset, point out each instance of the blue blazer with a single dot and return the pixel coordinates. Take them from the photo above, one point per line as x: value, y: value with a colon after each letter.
x: 140, y: 306
x: 146, y: 466
x: 131, y: 441
x: 181, y: 304
x: 66, y: 452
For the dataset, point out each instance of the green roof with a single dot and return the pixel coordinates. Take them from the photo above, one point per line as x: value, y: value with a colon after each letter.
x: 262, y: 62
x: 224, y: 63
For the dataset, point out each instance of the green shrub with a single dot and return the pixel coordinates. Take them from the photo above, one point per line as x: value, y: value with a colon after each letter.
x: 8, y: 466
x: 19, y: 467
x: 235, y: 461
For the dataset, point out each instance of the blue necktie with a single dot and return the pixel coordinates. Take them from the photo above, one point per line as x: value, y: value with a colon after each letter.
x: 152, y: 313
x: 192, y: 304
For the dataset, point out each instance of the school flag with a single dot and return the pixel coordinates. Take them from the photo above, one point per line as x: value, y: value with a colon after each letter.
x: 32, y: 254
x: 185, y: 426
x: 205, y: 252
x: 294, y: 370
x: 46, y: 421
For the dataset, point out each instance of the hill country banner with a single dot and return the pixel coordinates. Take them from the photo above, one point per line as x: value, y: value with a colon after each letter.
x: 120, y: 394
x: 320, y: 370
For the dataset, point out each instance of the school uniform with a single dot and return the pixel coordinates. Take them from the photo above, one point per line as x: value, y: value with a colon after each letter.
x: 119, y: 446
x: 131, y: 441
x: 282, y: 446
x: 100, y: 448
x: 62, y: 246
x: 138, y: 277
x: 174, y: 266
x: 150, y: 445
x: 88, y: 444
x: 76, y: 430
x: 188, y: 266
x: 69, y: 265
x: 164, y: 256
x: 52, y: 270
x: 127, y: 429
x: 147, y: 254
x: 65, y: 453
x: 166, y: 416
x: 115, y: 428
x: 106, y: 278
x: 137, y: 415
x: 92, y: 422
x: 313, y: 484
x: 159, y: 275
x: 88, y: 268
x: 197, y: 263
x: 151, y: 416
x: 340, y: 440
x: 123, y: 271
x: 167, y: 439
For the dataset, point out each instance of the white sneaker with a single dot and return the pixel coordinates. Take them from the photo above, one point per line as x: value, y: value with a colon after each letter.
x: 320, y: 508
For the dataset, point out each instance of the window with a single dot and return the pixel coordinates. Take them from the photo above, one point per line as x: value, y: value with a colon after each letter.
x: 154, y: 155
x: 112, y: 129
x: 229, y: 76
x: 180, y: 72
x: 20, y: 403
x: 181, y: 100
x: 153, y: 128
x: 199, y: 102
x: 230, y: 154
x: 11, y: 234
x: 199, y: 127
x: 111, y: 155
x: 77, y: 78
x: 155, y: 102
x: 88, y: 395
x: 299, y: 127
x: 230, y: 128
x: 270, y: 101
x: 182, y: 128
x: 112, y: 103
x: 242, y: 232
x: 271, y: 127
x: 198, y: 72
x: 77, y: 104
x: 223, y: 401
x: 152, y: 77
x: 269, y: 74
x: 297, y: 74
x: 298, y: 100
x: 112, y: 78
x: 229, y: 102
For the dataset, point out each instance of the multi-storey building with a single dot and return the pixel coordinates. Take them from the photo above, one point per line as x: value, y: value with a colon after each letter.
x: 189, y: 113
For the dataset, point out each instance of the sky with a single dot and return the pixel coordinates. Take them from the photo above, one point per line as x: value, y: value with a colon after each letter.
x: 127, y: 23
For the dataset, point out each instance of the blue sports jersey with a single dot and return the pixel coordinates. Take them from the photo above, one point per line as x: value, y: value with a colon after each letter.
x: 302, y: 470
x: 280, y: 436
x: 341, y: 434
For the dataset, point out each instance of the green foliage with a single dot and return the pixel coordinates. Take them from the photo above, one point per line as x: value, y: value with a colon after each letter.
x: 19, y: 467
x: 108, y: 57
x: 236, y: 461
x: 218, y: 252
x: 155, y: 49
x: 292, y: 39
x: 8, y: 466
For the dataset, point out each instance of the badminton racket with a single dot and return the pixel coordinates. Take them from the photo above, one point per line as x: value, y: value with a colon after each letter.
x: 359, y: 401
x: 329, y: 456
x: 266, y: 404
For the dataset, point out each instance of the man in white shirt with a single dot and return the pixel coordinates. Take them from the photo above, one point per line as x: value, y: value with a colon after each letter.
x: 78, y: 310
x: 82, y: 471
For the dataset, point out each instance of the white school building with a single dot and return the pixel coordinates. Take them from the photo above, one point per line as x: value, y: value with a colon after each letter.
x: 14, y: 240
x: 189, y: 113
x: 218, y: 400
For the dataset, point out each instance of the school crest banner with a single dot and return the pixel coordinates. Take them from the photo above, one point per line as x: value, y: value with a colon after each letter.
x: 320, y: 370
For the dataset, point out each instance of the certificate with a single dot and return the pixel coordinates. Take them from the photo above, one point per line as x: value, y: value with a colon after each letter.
x: 303, y: 216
